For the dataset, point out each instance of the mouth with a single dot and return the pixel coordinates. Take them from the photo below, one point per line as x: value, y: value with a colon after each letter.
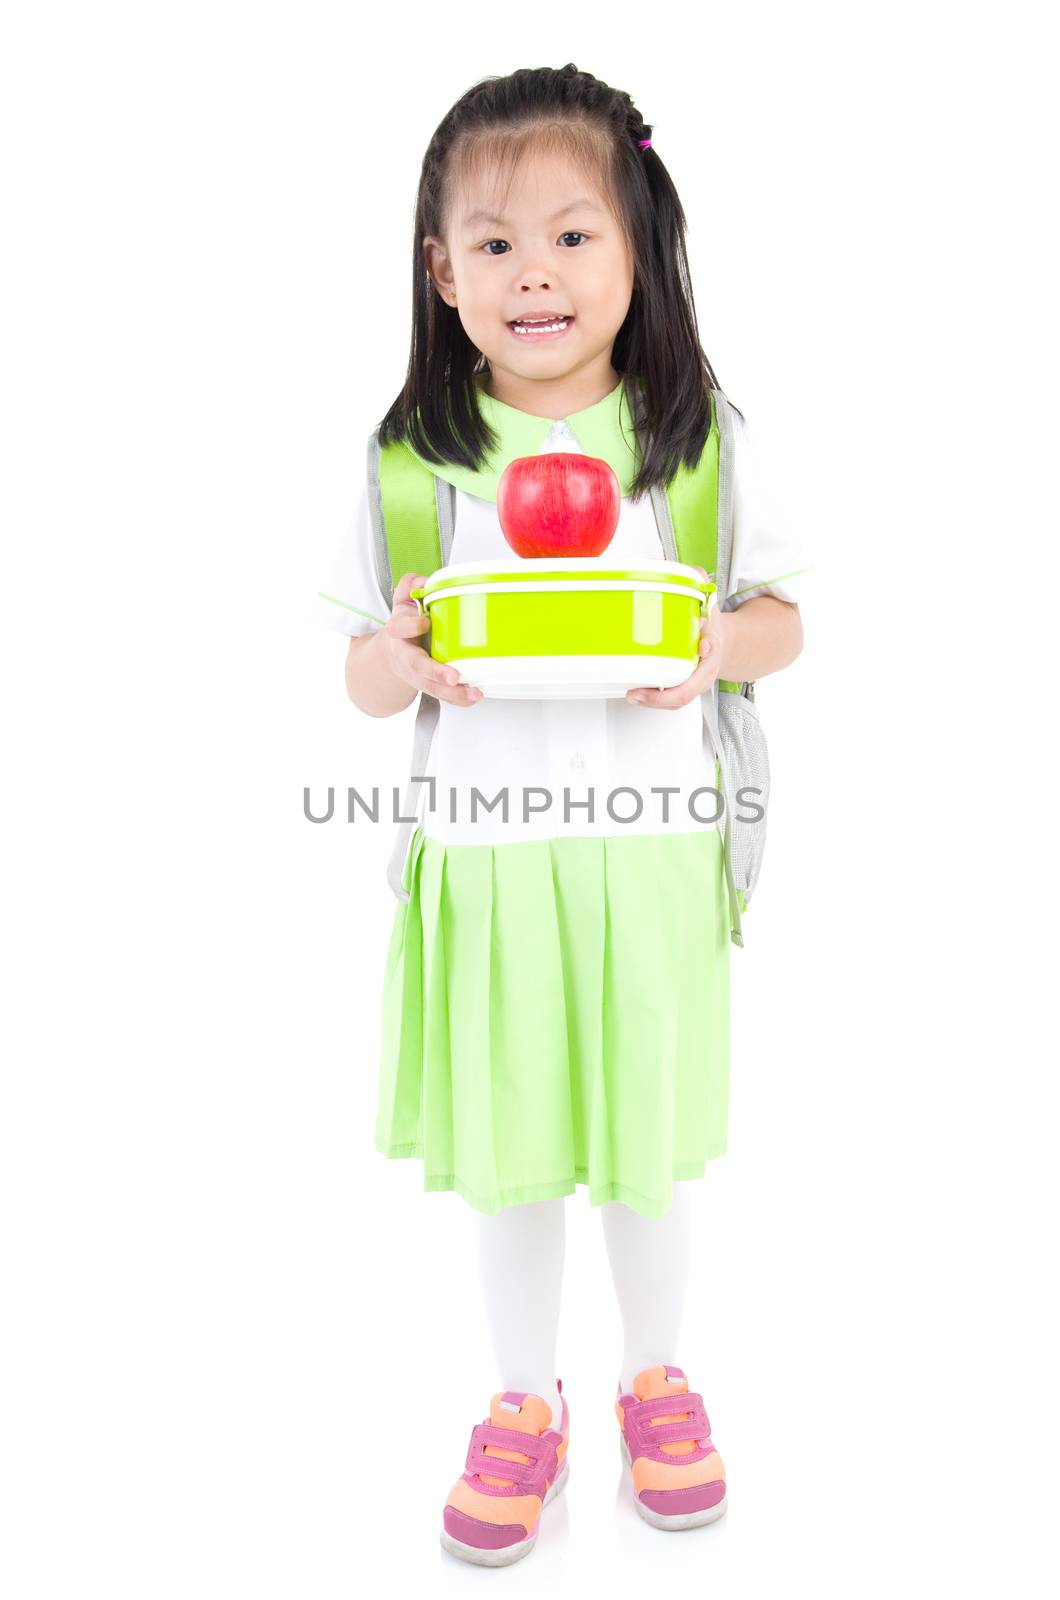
x: 552, y: 325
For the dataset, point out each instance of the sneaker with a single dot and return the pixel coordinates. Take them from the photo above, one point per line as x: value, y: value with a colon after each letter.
x: 516, y: 1462
x: 678, y: 1475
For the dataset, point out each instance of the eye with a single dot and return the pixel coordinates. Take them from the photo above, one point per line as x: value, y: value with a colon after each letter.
x: 572, y: 233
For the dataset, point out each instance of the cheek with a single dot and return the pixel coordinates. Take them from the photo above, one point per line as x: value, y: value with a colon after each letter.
x: 616, y: 283
x: 475, y: 284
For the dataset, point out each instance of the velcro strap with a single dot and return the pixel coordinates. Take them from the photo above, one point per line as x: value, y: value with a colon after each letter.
x: 650, y: 1434
x: 542, y: 1453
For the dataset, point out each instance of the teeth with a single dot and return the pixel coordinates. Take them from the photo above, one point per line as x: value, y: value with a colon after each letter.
x: 542, y: 327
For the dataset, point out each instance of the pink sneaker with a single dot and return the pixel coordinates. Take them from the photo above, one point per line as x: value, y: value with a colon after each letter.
x: 678, y: 1475
x: 515, y: 1465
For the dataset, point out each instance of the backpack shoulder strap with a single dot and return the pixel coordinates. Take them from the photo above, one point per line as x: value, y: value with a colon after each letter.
x: 412, y: 514
x: 700, y: 500
x: 693, y: 501
x: 694, y: 515
x: 699, y: 506
x: 726, y: 424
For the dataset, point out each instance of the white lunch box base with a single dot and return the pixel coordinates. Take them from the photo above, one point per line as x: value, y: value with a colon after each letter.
x: 570, y: 677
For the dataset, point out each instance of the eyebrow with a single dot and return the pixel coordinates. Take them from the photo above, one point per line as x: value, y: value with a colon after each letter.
x: 572, y: 205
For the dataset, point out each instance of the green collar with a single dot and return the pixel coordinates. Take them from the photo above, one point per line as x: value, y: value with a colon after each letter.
x: 604, y: 430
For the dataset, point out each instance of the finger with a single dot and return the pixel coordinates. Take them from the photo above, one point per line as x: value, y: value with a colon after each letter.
x: 456, y: 693
x: 404, y: 605
x: 407, y: 622
x: 660, y: 698
x: 462, y: 694
x: 407, y: 581
x: 425, y: 671
x: 680, y: 695
x: 443, y: 681
x: 406, y: 608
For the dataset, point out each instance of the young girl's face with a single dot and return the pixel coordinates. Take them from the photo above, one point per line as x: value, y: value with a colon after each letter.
x: 551, y: 246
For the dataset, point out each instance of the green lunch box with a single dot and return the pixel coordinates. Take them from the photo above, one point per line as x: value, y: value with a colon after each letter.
x: 566, y: 628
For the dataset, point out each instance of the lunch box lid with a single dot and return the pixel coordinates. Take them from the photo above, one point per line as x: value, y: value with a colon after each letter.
x: 642, y: 569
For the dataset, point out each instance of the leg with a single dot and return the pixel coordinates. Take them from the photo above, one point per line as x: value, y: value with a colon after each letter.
x: 521, y: 1251
x: 649, y: 1259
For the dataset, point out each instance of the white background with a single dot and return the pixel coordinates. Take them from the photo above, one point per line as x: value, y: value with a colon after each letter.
x: 243, y: 1353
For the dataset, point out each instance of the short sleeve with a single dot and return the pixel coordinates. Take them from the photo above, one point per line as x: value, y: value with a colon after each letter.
x: 769, y: 553
x: 351, y: 600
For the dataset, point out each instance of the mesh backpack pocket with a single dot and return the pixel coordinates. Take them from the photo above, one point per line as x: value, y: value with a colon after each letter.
x: 747, y: 758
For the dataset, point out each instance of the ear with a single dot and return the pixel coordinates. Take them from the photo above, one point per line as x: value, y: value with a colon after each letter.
x: 439, y: 267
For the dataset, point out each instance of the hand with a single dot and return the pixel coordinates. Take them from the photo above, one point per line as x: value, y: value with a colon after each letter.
x: 407, y: 655
x: 711, y: 649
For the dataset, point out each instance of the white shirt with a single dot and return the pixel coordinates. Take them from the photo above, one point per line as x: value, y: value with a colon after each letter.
x: 575, y: 750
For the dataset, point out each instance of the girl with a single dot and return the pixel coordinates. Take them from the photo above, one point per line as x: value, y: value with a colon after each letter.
x: 556, y: 1001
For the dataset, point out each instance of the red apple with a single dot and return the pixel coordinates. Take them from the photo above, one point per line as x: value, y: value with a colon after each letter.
x: 558, y: 503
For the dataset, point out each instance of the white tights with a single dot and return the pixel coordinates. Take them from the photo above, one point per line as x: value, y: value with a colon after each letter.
x: 521, y: 1251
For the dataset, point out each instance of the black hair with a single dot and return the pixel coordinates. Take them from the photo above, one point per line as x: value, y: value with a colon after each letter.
x: 657, y: 349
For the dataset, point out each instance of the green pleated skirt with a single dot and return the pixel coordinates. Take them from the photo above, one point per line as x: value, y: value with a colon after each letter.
x: 556, y: 1012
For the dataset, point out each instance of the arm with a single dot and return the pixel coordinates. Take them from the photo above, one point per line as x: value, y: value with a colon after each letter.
x: 759, y: 637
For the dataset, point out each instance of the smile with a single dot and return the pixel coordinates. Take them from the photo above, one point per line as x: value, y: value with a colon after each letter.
x: 540, y: 330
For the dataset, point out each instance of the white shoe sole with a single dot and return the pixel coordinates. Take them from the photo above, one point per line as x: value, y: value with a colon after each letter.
x: 511, y: 1552
x: 686, y: 1519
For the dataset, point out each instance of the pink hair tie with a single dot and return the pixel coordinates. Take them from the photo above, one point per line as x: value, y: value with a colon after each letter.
x: 644, y: 143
